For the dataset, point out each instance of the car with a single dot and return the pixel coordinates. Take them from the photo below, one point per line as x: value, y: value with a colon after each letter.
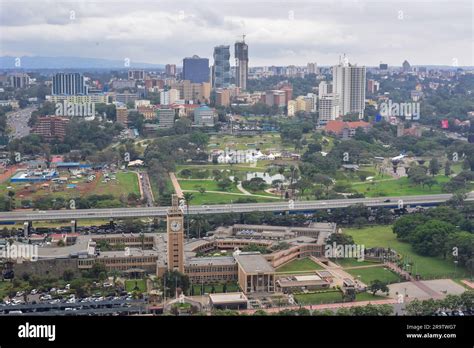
x: 387, y: 201
x: 33, y: 292
x: 20, y: 293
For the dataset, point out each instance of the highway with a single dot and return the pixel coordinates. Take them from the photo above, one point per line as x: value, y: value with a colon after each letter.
x: 297, y: 206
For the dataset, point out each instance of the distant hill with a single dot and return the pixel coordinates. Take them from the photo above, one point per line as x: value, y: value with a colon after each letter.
x: 7, y: 62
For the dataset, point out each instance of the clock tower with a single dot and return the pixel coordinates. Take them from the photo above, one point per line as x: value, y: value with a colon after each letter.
x: 175, y: 230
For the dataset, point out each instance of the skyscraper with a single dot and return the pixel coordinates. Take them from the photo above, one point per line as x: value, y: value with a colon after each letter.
x: 349, y: 83
x: 69, y: 84
x: 196, y: 69
x: 170, y: 70
x: 241, y: 63
x: 221, y: 67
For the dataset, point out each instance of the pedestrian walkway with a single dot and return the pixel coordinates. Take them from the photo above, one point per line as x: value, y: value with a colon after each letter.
x: 468, y: 283
x: 175, y: 182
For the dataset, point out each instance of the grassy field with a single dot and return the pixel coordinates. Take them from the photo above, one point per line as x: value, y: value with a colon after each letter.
x: 132, y: 284
x: 427, y: 267
x: 209, y: 185
x: 398, y: 187
x: 124, y: 184
x: 223, y: 198
x: 332, y: 297
x: 299, y: 265
x: 345, y: 262
x: 368, y: 275
x: 218, y: 288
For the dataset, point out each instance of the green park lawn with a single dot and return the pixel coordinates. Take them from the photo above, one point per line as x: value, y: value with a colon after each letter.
x: 346, y: 262
x: 425, y: 266
x: 125, y: 183
x: 299, y: 265
x: 209, y: 185
x: 132, y: 284
x: 368, y: 275
x: 223, y: 198
x: 398, y: 187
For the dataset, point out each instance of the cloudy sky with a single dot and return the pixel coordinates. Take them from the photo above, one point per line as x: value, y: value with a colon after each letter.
x: 278, y: 32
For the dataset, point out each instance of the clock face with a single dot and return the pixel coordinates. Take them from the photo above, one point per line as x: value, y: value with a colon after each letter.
x: 175, y: 225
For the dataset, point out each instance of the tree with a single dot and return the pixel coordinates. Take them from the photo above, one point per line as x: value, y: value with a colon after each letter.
x: 405, y: 225
x: 378, y: 285
x: 172, y: 280
x: 447, y: 169
x: 68, y: 275
x: 430, y: 239
x: 434, y: 167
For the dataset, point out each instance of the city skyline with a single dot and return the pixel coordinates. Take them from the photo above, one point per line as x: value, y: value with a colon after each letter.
x: 277, y: 33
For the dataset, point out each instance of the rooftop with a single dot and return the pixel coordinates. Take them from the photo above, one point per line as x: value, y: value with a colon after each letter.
x: 230, y: 297
x: 254, y: 263
x: 202, y: 261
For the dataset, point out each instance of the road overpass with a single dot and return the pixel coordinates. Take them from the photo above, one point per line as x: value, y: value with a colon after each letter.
x: 297, y: 206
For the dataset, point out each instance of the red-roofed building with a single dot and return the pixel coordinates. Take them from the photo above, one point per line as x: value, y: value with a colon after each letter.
x: 346, y: 130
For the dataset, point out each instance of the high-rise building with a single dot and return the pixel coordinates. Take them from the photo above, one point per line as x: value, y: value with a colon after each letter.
x: 175, y: 230
x: 328, y: 108
x: 196, y: 69
x: 69, y: 84
x: 406, y: 66
x: 169, y: 97
x: 19, y: 80
x: 372, y: 86
x: 328, y: 103
x: 136, y: 75
x: 349, y: 83
x: 170, y: 70
x: 324, y: 88
x: 165, y: 118
x: 195, y: 92
x: 276, y: 97
x: 223, y: 97
x: 122, y: 115
x: 312, y: 68
x: 241, y: 64
x: 221, y: 67
x: 51, y: 127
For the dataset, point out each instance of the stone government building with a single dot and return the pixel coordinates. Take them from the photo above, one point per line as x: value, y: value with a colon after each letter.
x: 154, y: 253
